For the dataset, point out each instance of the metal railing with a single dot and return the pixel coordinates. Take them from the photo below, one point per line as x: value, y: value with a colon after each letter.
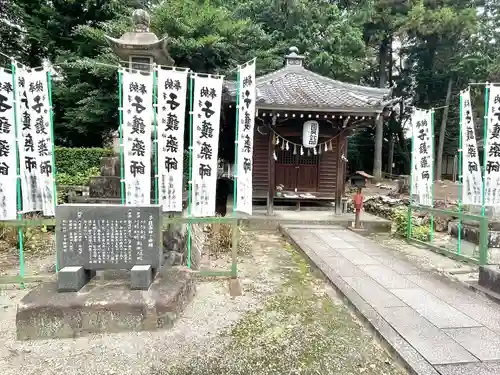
x: 453, y: 242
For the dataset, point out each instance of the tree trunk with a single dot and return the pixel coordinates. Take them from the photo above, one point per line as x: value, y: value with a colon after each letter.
x: 390, y: 160
x: 379, y: 130
x: 442, y: 132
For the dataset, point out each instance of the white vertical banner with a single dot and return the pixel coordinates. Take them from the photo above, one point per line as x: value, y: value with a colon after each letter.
x: 28, y: 145
x: 206, y: 124
x: 41, y: 130
x: 172, y: 88
x: 137, y: 102
x: 423, y: 156
x: 492, y: 167
x: 472, y: 183
x: 8, y: 162
x: 246, y: 122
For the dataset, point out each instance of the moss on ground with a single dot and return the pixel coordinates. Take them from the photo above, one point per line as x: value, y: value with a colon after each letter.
x: 298, y: 330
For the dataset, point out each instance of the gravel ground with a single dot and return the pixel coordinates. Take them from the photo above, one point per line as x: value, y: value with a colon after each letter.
x: 288, y: 321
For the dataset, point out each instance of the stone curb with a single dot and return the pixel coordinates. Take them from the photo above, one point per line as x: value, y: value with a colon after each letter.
x: 399, y: 347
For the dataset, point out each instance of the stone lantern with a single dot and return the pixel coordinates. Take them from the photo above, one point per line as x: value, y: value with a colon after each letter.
x: 139, y: 49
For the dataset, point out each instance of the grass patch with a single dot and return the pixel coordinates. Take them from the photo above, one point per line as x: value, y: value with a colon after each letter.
x: 298, y: 330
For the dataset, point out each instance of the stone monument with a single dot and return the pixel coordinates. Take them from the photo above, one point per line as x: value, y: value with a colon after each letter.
x: 135, y: 291
x: 99, y: 237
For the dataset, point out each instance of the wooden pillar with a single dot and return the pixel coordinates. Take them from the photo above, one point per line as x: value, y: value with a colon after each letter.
x: 339, y: 184
x: 271, y: 177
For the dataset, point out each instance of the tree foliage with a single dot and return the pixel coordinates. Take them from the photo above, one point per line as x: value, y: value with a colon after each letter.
x: 416, y: 46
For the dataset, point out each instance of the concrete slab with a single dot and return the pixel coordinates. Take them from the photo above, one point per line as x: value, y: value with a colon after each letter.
x: 373, y: 293
x: 487, y: 315
x: 357, y: 257
x: 387, y: 277
x: 428, y: 340
x: 454, y: 293
x: 433, y: 309
x: 400, y: 266
x: 304, y: 238
x: 470, y: 369
x: 104, y: 305
x: 332, y: 240
x: 344, y: 267
x: 480, y: 341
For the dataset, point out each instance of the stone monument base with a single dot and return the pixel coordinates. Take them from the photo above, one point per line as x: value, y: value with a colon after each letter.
x: 105, y: 304
x: 489, y: 278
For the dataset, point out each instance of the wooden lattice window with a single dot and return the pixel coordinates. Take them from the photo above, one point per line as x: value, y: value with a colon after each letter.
x: 285, y: 157
x: 308, y: 159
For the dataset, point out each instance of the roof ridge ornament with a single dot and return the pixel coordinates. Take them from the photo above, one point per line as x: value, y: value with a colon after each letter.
x: 293, y: 58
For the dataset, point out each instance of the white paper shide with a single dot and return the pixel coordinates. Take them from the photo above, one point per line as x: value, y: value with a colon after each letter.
x: 172, y: 87
x: 8, y: 170
x: 246, y: 122
x: 28, y: 145
x: 206, y: 118
x: 492, y: 166
x: 310, y: 133
x: 137, y: 102
x: 423, y: 156
x: 36, y: 138
x: 472, y: 183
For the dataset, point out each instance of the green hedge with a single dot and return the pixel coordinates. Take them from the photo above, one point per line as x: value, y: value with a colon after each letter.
x: 73, y: 161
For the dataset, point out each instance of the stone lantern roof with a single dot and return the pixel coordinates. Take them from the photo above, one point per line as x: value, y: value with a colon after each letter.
x: 141, y: 42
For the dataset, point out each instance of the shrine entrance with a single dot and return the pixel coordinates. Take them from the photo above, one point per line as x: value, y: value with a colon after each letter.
x: 297, y: 172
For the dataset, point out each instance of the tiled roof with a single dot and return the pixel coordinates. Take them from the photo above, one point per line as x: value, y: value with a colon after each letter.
x: 296, y: 87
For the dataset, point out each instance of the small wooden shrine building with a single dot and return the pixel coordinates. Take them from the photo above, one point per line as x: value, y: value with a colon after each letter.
x: 283, y: 169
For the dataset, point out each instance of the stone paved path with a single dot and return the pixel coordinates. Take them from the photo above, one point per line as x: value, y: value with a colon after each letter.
x: 436, y: 326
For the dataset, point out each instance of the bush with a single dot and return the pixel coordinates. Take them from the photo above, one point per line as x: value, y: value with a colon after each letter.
x: 81, y: 178
x: 74, y: 161
x: 400, y: 220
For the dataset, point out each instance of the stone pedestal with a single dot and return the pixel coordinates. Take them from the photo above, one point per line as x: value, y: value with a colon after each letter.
x: 105, y: 304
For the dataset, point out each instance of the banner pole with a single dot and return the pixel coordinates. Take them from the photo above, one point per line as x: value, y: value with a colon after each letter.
x: 485, y: 143
x: 235, y: 238
x: 460, y: 176
x: 120, y: 127
x: 54, y: 169
x: 409, y: 218
x: 431, y: 234
x: 190, y: 178
x: 236, y: 129
x: 155, y: 142
x: 18, y: 180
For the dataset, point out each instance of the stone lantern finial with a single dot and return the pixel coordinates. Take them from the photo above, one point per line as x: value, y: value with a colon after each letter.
x: 141, y: 20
